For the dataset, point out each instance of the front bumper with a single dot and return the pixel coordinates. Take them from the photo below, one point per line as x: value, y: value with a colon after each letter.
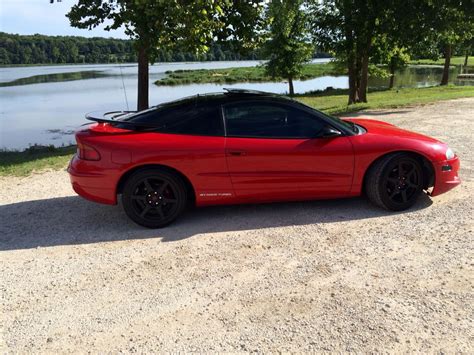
x: 446, y: 176
x: 89, y: 181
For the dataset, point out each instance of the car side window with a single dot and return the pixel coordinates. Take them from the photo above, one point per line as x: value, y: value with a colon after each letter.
x: 191, y: 119
x: 270, y: 120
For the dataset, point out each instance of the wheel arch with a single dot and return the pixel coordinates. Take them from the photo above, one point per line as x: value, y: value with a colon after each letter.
x: 426, y: 165
x: 187, y: 182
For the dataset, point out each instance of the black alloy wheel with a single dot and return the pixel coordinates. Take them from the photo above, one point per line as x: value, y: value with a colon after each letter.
x: 403, y: 181
x: 395, y: 182
x: 154, y: 198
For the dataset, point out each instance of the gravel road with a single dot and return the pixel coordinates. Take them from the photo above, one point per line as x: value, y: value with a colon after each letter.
x: 315, y: 276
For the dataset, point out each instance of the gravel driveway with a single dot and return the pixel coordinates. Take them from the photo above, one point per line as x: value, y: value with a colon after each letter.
x: 314, y: 276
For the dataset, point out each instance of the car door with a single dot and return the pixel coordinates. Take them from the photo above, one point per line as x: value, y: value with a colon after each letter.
x: 190, y: 139
x: 273, y: 152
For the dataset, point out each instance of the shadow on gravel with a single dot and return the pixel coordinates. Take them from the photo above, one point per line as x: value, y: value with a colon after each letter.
x: 72, y: 220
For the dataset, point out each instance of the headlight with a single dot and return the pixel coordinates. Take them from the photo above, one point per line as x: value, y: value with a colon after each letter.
x: 449, y: 154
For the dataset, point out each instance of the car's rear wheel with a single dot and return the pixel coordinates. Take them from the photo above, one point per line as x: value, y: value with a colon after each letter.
x: 395, y: 182
x: 154, y: 198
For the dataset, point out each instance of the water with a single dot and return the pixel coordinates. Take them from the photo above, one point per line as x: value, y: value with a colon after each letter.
x: 45, y: 104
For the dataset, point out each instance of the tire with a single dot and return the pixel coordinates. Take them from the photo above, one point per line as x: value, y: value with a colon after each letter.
x: 394, y: 182
x: 154, y: 198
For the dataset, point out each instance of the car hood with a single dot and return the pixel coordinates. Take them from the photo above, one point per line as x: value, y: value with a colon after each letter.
x: 386, y: 129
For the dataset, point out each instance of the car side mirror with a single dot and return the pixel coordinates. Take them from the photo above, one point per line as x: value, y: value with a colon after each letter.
x: 329, y: 132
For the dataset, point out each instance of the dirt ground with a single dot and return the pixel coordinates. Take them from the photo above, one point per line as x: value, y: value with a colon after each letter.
x: 314, y: 276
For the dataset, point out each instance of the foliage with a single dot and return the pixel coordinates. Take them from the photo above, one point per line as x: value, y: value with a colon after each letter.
x: 391, y: 56
x: 166, y: 24
x: 40, y: 49
x: 452, y: 21
x: 348, y: 28
x: 288, y: 47
x: 365, y: 32
x: 453, y: 24
x: 241, y: 75
x: 161, y: 24
x: 450, y: 26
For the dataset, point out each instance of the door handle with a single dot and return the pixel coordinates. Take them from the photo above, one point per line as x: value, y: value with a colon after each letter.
x: 236, y: 153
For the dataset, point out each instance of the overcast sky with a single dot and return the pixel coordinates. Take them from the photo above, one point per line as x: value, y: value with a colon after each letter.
x: 39, y: 16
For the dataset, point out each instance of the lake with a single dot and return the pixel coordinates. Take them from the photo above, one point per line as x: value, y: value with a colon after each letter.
x: 45, y: 104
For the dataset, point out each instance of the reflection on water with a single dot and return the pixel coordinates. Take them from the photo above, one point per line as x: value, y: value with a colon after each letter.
x: 418, y: 76
x: 45, y: 104
x: 55, y: 78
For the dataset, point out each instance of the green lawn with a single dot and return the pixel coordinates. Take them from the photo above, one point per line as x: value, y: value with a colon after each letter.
x: 454, y: 61
x: 32, y: 159
x: 332, y: 102
x: 240, y: 75
x: 337, y: 103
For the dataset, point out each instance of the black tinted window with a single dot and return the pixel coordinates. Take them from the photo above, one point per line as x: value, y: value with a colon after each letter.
x: 191, y: 119
x: 271, y: 120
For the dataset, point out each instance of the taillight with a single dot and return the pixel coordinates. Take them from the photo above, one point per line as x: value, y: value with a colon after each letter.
x: 86, y: 152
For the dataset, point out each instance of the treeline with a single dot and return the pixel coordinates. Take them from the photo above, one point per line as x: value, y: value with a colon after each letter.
x: 40, y: 49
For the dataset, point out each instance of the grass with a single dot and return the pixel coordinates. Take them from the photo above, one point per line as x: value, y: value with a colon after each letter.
x: 335, y: 102
x: 454, y: 61
x: 241, y: 75
x: 332, y: 101
x: 35, y: 158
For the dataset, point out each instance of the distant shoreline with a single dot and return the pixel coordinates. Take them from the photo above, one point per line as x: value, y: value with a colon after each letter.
x: 126, y: 63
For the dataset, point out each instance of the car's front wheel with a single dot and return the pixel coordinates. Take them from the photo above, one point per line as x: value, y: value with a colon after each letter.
x: 154, y: 198
x: 395, y: 182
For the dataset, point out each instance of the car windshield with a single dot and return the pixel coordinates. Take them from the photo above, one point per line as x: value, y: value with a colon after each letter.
x: 348, y: 124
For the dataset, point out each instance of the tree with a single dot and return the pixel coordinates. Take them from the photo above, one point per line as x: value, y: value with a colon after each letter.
x: 162, y: 24
x: 449, y: 25
x: 354, y: 30
x: 347, y: 28
x: 468, y: 46
x: 288, y: 47
x: 386, y: 51
x: 453, y: 21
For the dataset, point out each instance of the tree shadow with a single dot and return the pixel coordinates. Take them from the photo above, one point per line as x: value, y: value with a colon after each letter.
x: 374, y: 113
x: 72, y: 220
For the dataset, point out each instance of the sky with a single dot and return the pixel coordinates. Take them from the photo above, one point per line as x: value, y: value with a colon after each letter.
x: 39, y: 16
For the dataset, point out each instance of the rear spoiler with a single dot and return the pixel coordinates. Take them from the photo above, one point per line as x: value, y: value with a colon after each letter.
x: 106, y: 116
x: 111, y: 116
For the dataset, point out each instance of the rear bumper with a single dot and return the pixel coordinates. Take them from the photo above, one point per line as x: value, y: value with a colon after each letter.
x: 89, y: 181
x: 446, y: 176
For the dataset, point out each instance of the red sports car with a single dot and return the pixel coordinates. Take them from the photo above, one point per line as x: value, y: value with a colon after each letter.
x: 250, y: 147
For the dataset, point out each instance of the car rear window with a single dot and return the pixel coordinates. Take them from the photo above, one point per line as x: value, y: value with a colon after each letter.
x: 192, y: 119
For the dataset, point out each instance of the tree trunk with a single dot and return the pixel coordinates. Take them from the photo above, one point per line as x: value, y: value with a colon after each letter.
x: 143, y: 61
x: 392, y: 74
x: 447, y: 61
x: 350, y: 53
x: 353, y: 93
x: 364, y: 78
x: 353, y: 82
x: 290, y: 86
x: 466, y: 58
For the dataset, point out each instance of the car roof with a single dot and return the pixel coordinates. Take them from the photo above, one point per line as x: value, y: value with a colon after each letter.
x: 227, y: 96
